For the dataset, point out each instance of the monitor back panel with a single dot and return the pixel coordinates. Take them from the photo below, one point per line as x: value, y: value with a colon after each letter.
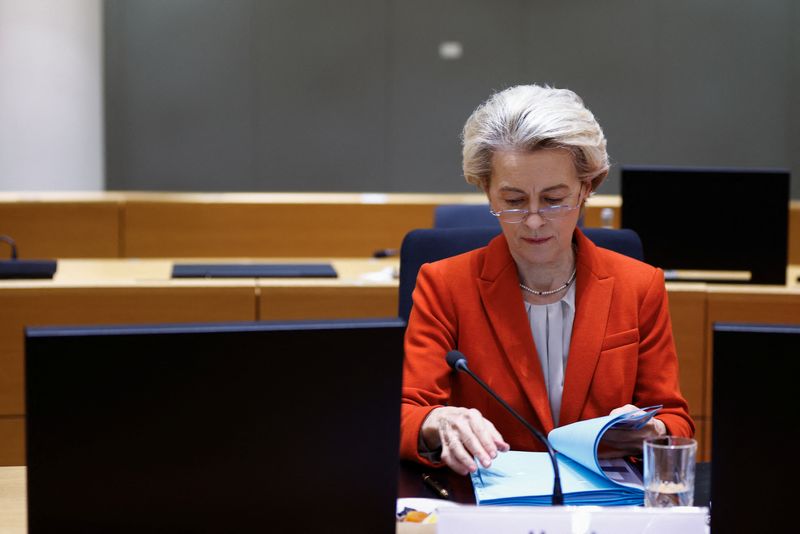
x: 710, y: 219
x: 214, y: 428
x: 754, y: 440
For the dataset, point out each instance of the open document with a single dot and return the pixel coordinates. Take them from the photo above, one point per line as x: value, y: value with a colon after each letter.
x: 526, y: 478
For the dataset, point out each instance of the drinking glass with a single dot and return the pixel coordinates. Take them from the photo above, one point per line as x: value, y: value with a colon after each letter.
x: 669, y: 465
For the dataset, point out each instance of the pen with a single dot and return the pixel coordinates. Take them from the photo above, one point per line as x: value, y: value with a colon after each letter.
x: 435, y: 486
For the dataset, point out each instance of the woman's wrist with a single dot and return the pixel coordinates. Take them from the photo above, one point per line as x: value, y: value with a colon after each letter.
x: 429, y: 433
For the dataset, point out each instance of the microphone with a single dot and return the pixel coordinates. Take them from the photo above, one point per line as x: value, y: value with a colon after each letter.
x: 457, y: 361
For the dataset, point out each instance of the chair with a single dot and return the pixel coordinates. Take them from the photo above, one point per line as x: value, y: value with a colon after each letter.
x: 622, y: 240
x: 433, y: 244
x: 463, y: 216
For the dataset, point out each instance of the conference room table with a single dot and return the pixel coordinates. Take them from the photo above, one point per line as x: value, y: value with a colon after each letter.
x: 141, y: 291
x: 13, y: 512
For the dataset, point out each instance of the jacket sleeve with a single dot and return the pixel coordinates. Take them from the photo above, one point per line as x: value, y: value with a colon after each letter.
x: 657, y: 380
x: 431, y: 334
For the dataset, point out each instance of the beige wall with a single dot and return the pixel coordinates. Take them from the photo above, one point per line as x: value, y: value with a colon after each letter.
x: 51, y: 126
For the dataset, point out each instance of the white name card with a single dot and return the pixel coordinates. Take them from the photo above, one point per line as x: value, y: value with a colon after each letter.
x: 571, y: 520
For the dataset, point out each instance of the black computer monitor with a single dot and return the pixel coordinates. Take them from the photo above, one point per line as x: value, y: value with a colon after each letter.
x: 214, y: 427
x: 733, y: 220
x: 754, y: 437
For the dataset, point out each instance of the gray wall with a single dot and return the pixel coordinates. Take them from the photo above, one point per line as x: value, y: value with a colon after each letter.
x: 316, y: 95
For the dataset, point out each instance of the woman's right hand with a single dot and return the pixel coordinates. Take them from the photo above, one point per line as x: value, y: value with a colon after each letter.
x: 462, y: 433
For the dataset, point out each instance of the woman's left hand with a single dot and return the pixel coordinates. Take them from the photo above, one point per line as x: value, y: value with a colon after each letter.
x: 619, y: 442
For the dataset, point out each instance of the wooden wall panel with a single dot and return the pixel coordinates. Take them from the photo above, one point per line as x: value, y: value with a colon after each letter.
x: 327, y: 225
x: 268, y: 230
x: 61, y: 228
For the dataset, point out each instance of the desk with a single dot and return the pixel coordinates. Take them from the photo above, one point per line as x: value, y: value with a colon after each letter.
x: 365, y: 287
x: 13, y: 512
x: 140, y: 291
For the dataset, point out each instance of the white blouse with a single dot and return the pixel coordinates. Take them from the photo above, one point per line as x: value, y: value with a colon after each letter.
x: 551, y: 326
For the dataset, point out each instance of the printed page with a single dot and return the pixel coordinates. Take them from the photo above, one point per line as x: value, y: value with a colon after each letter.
x: 579, y: 440
x: 620, y: 471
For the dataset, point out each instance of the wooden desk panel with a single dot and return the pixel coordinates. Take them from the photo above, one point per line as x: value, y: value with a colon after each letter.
x: 162, y: 229
x: 331, y: 302
x: 62, y: 229
x: 42, y: 304
x: 687, y: 308
x: 595, y: 206
x: 747, y: 304
x: 364, y: 288
x: 703, y: 436
x: 12, y: 442
x: 794, y: 232
x: 288, y: 225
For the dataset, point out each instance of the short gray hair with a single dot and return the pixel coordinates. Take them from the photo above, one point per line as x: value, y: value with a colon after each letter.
x: 527, y: 118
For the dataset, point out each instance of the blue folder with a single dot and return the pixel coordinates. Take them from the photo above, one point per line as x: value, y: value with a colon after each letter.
x: 526, y: 478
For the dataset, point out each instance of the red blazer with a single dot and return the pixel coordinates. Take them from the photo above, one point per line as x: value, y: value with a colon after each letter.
x: 621, y: 351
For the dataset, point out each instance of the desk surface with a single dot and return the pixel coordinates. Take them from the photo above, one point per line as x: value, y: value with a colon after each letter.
x: 362, y: 271
x: 13, y: 513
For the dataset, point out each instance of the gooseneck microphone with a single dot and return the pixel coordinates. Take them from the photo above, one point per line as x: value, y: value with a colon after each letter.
x: 458, y: 361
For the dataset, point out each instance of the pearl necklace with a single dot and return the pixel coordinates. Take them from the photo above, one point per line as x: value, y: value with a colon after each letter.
x: 552, y: 291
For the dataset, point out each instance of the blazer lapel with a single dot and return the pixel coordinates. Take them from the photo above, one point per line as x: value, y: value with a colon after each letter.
x: 499, y: 289
x: 592, y: 304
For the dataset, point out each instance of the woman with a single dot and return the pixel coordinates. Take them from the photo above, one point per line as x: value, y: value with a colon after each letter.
x: 561, y: 329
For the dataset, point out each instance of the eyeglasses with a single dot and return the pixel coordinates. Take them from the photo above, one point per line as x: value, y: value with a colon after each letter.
x: 549, y: 213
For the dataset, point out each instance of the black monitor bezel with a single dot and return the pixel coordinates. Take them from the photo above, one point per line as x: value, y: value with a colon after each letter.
x: 739, y: 240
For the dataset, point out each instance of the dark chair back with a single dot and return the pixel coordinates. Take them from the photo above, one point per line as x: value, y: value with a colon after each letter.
x: 433, y: 244
x: 464, y: 216
x: 622, y: 240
